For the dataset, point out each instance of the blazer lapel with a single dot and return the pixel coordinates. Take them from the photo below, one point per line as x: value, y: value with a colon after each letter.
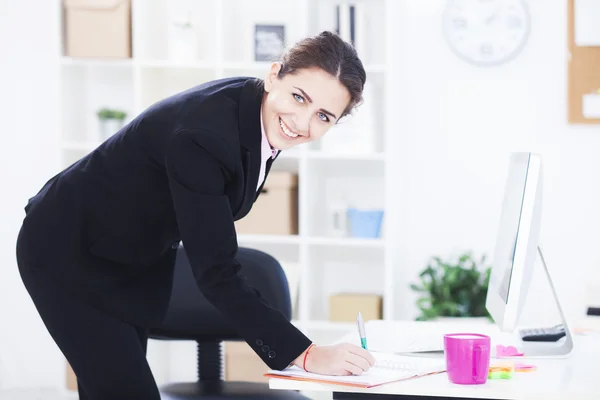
x: 250, y: 140
x: 270, y: 163
x: 267, y: 169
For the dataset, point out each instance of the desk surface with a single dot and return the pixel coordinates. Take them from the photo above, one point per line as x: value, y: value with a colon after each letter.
x: 575, y: 377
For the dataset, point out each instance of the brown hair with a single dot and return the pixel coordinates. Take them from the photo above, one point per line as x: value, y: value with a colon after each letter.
x: 330, y: 53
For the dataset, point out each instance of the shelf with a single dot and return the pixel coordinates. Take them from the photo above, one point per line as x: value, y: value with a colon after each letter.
x: 320, y: 155
x: 96, y: 62
x: 314, y: 240
x: 150, y: 63
x: 345, y: 242
x: 268, y: 239
x: 324, y: 325
x: 264, y: 65
x: 328, y: 325
x: 83, y: 146
x: 286, y: 155
x: 344, y: 169
x: 256, y: 66
x: 167, y: 64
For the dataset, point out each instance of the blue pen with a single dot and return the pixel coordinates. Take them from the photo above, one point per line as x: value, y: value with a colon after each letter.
x: 361, y: 331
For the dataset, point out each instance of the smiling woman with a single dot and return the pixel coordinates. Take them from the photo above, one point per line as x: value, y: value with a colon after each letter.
x: 318, y: 81
x: 97, y: 246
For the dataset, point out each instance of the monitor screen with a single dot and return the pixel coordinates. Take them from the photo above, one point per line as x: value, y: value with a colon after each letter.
x: 509, y: 226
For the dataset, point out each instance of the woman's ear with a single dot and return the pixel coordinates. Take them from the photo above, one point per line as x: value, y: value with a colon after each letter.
x: 272, y: 75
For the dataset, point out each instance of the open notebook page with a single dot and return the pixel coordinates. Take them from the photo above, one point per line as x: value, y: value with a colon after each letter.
x: 388, y: 368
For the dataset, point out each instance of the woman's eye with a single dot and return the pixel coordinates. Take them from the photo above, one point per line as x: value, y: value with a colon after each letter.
x: 298, y: 98
x: 323, y: 117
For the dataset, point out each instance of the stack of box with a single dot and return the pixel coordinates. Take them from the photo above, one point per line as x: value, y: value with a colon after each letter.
x: 276, y: 209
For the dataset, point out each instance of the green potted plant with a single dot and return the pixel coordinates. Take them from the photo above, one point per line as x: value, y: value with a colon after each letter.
x: 111, y: 120
x: 453, y: 288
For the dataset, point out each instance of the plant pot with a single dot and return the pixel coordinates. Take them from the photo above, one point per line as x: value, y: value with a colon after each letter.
x: 109, y: 127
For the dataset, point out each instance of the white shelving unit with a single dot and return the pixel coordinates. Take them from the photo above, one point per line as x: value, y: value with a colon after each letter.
x: 328, y: 263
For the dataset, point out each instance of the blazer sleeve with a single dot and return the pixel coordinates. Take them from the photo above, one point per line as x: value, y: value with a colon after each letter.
x: 197, y: 182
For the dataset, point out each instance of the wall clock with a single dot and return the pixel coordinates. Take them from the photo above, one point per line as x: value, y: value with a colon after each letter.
x: 486, y: 32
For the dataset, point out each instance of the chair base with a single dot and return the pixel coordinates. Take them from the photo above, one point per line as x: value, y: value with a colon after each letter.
x: 226, y: 390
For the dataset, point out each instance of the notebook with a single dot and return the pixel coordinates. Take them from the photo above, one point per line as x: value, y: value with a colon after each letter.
x: 388, y: 368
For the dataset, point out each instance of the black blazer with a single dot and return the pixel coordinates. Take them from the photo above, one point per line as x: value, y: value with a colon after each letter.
x: 183, y: 170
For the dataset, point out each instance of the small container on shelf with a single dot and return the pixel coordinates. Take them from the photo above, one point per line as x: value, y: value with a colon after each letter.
x: 183, y: 44
x: 365, y: 223
x: 354, y: 222
x: 111, y: 121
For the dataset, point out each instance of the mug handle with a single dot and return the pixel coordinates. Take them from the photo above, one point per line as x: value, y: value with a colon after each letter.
x: 477, y: 361
x: 476, y: 357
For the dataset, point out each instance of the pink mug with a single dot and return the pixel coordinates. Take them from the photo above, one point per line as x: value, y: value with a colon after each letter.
x: 467, y: 358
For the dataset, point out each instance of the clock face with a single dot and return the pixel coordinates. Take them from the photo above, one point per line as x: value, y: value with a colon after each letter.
x: 486, y: 32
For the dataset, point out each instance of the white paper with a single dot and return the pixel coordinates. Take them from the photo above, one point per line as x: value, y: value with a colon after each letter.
x: 587, y: 22
x: 591, y: 105
x: 388, y: 368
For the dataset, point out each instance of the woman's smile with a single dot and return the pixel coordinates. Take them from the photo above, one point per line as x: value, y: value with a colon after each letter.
x: 286, y: 132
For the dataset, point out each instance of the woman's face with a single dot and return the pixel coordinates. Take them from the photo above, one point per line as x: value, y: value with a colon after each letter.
x: 301, y: 107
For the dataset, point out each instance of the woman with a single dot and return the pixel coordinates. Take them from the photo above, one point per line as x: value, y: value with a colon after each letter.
x: 97, y: 247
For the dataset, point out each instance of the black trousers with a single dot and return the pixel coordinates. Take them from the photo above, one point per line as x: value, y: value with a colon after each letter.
x: 107, y: 355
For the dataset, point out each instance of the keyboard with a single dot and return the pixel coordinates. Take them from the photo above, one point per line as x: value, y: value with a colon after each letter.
x: 548, y: 334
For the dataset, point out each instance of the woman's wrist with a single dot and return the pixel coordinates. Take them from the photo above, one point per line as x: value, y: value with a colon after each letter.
x: 301, y: 360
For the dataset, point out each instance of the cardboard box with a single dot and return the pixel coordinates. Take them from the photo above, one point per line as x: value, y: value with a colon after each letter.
x: 344, y: 307
x: 97, y: 28
x: 242, y: 364
x: 276, y: 209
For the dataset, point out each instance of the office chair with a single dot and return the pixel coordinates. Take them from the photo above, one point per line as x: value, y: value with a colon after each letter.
x: 191, y: 317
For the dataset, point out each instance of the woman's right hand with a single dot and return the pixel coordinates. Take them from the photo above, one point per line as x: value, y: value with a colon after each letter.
x: 338, y: 359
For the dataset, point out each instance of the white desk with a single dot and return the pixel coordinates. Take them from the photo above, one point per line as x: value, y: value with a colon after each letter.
x: 573, y: 378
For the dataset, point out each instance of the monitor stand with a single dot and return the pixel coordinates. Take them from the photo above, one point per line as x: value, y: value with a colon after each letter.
x: 561, y: 348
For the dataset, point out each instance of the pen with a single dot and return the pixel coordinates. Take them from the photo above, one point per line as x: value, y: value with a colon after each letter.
x: 361, y: 331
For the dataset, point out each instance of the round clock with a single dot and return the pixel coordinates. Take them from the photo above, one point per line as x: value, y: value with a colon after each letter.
x: 486, y: 32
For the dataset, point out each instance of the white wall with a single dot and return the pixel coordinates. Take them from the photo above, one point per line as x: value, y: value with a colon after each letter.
x: 28, y: 156
x: 456, y: 124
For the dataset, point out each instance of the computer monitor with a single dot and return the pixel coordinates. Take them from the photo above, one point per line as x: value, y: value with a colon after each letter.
x: 517, y: 247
